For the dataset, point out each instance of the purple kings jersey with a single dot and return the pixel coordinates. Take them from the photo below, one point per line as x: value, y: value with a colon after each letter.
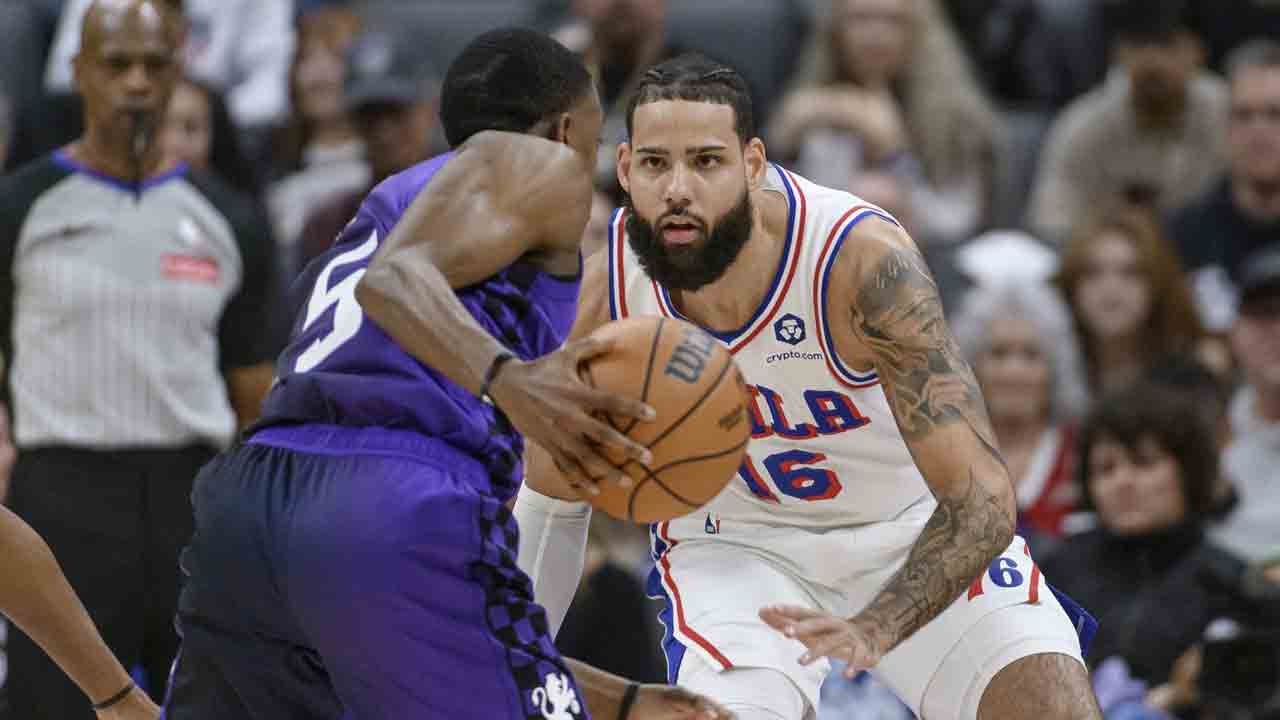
x: 342, y: 369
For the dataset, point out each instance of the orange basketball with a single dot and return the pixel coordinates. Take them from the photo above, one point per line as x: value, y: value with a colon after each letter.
x: 700, y: 434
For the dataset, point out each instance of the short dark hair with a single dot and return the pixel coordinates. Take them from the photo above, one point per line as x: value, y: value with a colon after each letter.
x: 509, y: 79
x: 1257, y: 53
x: 1170, y: 417
x: 1148, y: 21
x: 695, y: 77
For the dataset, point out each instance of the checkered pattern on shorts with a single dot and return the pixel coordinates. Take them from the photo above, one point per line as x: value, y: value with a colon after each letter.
x: 513, y: 617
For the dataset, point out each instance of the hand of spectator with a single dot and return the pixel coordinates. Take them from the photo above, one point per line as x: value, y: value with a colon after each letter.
x: 1182, y: 688
x: 666, y: 702
x: 877, y: 119
x: 8, y: 453
x: 137, y: 706
x: 548, y: 402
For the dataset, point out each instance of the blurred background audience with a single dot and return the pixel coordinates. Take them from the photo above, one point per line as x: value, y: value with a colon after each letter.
x: 1095, y: 183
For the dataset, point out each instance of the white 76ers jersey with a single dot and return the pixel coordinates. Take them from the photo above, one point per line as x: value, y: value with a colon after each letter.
x: 825, y: 452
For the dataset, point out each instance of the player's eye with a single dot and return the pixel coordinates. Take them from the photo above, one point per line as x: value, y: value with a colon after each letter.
x: 706, y: 162
x: 652, y: 162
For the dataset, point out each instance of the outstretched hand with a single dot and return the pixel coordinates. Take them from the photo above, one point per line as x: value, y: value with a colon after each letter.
x: 825, y: 635
x: 667, y: 702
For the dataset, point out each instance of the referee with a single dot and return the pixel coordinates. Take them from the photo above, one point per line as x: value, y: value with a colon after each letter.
x: 134, y: 319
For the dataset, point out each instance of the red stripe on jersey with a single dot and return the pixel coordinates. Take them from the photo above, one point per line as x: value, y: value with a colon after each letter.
x: 675, y: 593
x: 619, y: 250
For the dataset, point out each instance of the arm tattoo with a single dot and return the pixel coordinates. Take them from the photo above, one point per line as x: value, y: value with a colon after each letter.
x: 899, y: 316
x: 962, y: 536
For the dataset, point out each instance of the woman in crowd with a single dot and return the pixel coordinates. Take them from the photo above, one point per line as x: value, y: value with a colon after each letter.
x: 1018, y: 338
x: 1148, y: 464
x: 198, y: 131
x: 885, y: 97
x: 1128, y: 296
x: 319, y: 154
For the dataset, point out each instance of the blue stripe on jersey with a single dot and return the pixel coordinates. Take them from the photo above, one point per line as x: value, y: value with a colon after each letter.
x: 826, y: 280
x: 672, y: 649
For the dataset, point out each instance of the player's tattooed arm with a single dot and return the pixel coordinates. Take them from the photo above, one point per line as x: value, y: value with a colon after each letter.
x: 897, y: 315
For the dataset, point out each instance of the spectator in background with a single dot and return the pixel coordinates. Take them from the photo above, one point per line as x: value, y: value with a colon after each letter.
x: 240, y: 47
x: 1034, y: 53
x: 1127, y: 296
x: 21, y: 53
x: 619, y: 40
x: 1147, y: 467
x: 596, y: 235
x: 1018, y: 338
x: 318, y: 153
x: 6, y: 127
x: 885, y: 99
x: 1227, y: 24
x: 391, y: 94
x: 1152, y: 134
x: 198, y: 131
x: 1241, y: 212
x: 1252, y: 529
x: 135, y: 298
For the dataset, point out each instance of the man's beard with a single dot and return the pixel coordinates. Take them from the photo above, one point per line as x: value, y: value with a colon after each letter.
x: 690, y: 267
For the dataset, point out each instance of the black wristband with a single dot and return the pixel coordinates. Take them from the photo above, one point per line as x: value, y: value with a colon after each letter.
x: 115, y: 699
x: 628, y: 699
x: 489, y: 375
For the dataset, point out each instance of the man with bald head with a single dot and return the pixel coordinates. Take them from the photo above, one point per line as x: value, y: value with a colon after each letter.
x: 134, y: 306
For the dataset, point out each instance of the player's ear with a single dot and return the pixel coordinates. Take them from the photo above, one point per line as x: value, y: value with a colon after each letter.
x: 624, y: 166
x: 756, y: 163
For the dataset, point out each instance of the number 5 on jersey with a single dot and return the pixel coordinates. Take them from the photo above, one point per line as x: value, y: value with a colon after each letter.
x: 347, y: 314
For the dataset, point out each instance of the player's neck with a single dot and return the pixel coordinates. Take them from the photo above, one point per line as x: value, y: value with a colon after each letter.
x: 730, y: 302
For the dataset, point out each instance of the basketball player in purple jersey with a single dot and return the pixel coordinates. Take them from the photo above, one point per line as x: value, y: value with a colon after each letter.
x: 354, y: 556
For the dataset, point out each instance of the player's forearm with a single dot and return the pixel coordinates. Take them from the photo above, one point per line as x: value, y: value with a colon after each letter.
x: 967, y: 531
x: 940, y: 412
x: 602, y: 691
x: 416, y: 306
x: 36, y: 596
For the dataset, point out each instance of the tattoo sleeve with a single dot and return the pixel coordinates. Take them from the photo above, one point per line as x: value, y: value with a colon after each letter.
x: 940, y: 411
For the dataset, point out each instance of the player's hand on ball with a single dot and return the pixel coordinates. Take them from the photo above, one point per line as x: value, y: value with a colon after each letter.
x: 666, y: 702
x: 825, y: 635
x: 548, y: 402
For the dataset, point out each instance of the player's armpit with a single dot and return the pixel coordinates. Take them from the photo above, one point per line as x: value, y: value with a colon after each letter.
x: 895, y: 313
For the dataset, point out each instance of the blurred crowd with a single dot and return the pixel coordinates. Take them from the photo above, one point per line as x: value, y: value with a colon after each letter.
x: 1095, y: 183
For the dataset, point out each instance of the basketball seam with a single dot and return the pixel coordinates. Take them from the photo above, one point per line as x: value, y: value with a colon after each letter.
x: 724, y: 370
x: 653, y: 474
x: 648, y: 372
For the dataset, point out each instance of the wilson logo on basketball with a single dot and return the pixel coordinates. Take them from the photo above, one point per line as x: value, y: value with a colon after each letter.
x: 690, y: 357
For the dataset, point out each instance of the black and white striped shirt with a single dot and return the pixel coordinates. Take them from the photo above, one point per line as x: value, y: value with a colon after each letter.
x: 121, y: 306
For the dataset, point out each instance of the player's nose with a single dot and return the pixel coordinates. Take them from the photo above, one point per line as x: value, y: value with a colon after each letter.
x: 678, y: 190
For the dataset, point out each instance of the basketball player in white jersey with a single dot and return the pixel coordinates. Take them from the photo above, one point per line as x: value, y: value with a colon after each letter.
x: 873, y: 521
